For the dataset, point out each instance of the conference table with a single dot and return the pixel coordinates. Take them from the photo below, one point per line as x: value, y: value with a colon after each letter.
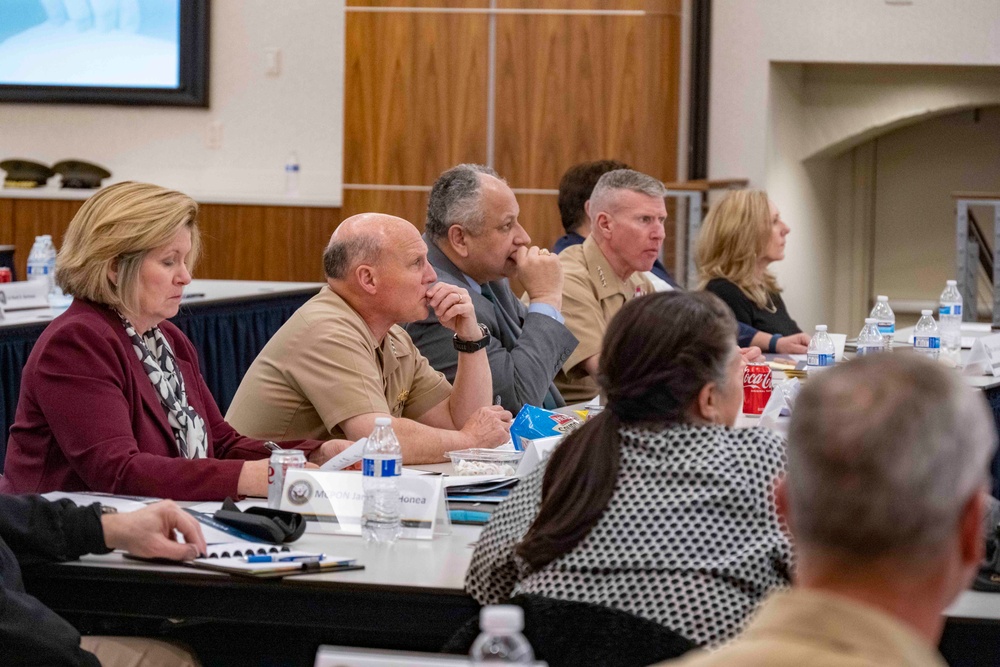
x: 229, y: 322
x: 408, y: 597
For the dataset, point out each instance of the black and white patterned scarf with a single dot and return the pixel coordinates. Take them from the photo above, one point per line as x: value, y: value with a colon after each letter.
x: 158, y: 361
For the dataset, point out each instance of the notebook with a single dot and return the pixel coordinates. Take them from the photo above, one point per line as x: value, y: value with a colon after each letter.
x: 311, y: 563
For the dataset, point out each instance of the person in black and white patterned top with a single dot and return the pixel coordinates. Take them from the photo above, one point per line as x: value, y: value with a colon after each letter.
x: 656, y: 506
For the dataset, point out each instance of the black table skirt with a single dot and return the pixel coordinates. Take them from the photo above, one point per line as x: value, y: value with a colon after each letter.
x: 228, y: 336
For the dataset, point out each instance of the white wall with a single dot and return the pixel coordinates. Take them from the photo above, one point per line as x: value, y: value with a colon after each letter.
x: 263, y: 117
x: 767, y: 115
x: 918, y: 167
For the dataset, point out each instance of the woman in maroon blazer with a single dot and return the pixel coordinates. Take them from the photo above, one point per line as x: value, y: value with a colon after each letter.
x: 112, y: 398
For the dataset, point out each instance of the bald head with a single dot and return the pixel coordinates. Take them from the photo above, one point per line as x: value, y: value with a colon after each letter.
x: 361, y: 239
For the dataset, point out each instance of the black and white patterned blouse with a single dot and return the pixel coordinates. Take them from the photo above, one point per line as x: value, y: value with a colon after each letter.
x: 690, y: 539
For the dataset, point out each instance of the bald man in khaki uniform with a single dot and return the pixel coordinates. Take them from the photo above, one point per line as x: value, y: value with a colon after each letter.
x: 627, y: 213
x: 342, y: 360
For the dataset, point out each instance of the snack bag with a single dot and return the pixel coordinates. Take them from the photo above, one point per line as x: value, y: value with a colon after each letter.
x: 533, y: 422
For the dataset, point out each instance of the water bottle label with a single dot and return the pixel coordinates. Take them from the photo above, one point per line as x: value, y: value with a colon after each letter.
x: 887, y: 328
x: 814, y: 359
x: 946, y: 310
x: 956, y: 309
x: 379, y: 468
x: 927, y: 342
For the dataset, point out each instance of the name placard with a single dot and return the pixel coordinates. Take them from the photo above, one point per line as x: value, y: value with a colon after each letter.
x: 24, y: 294
x: 984, y: 359
x: 332, y: 502
x: 535, y: 452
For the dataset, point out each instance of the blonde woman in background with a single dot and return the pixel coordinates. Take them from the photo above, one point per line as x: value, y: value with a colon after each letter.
x: 741, y: 236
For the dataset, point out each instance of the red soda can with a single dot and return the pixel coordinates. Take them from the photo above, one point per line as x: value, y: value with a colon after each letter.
x: 756, y: 388
x: 5, y: 275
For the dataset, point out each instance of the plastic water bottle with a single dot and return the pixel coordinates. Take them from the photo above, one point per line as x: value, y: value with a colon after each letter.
x: 885, y: 319
x: 382, y: 464
x: 37, y: 265
x: 821, y: 353
x: 501, y: 639
x: 950, y: 318
x: 870, y: 340
x: 926, y: 338
x: 49, y: 256
x: 292, y: 175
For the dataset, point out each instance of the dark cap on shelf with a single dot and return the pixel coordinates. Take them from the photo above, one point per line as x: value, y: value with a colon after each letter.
x: 80, y: 174
x: 25, y: 173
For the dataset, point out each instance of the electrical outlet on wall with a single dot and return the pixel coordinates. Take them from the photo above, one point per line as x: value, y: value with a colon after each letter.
x: 213, y: 135
x: 272, y: 61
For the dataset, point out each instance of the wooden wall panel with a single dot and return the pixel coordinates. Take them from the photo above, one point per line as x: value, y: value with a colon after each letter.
x: 410, y: 206
x: 34, y: 217
x: 238, y: 242
x: 264, y: 242
x: 415, y: 94
x: 6, y: 221
x: 575, y: 88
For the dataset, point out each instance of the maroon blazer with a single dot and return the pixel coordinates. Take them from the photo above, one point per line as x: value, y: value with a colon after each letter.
x: 88, y: 418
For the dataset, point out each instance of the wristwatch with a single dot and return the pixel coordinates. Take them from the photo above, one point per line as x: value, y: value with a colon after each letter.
x: 472, y: 345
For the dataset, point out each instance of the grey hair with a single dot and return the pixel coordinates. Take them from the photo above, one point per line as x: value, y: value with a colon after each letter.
x: 608, y: 185
x: 341, y: 255
x: 455, y: 200
x: 883, y: 454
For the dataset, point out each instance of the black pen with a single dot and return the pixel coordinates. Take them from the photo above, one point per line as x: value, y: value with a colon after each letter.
x: 193, y: 295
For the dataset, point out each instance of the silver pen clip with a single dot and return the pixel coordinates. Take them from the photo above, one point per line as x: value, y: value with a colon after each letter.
x: 273, y: 446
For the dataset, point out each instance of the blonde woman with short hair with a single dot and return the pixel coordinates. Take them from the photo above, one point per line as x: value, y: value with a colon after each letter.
x: 741, y: 236
x: 112, y: 398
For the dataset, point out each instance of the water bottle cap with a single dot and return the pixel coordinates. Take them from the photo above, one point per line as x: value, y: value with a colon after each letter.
x: 951, y: 283
x: 383, y: 421
x: 882, y: 297
x: 501, y: 618
x: 820, y: 327
x: 870, y: 320
x: 925, y: 313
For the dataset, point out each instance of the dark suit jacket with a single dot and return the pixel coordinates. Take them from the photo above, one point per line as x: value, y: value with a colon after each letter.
x: 88, y: 418
x: 523, y: 368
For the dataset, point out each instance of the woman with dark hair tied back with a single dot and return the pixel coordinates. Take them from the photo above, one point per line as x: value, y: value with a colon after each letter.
x: 657, y: 506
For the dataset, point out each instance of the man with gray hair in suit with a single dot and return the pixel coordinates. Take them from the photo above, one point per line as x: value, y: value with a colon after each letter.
x: 885, y: 497
x: 475, y: 241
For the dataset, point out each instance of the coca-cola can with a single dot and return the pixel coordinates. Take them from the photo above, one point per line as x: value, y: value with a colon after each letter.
x: 756, y: 388
x: 5, y: 275
x: 281, y: 461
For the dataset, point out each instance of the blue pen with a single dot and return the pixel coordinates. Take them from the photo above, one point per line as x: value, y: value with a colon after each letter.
x: 277, y: 558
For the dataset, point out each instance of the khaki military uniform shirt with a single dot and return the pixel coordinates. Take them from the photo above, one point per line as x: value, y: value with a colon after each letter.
x: 324, y: 367
x: 809, y: 627
x: 592, y: 295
